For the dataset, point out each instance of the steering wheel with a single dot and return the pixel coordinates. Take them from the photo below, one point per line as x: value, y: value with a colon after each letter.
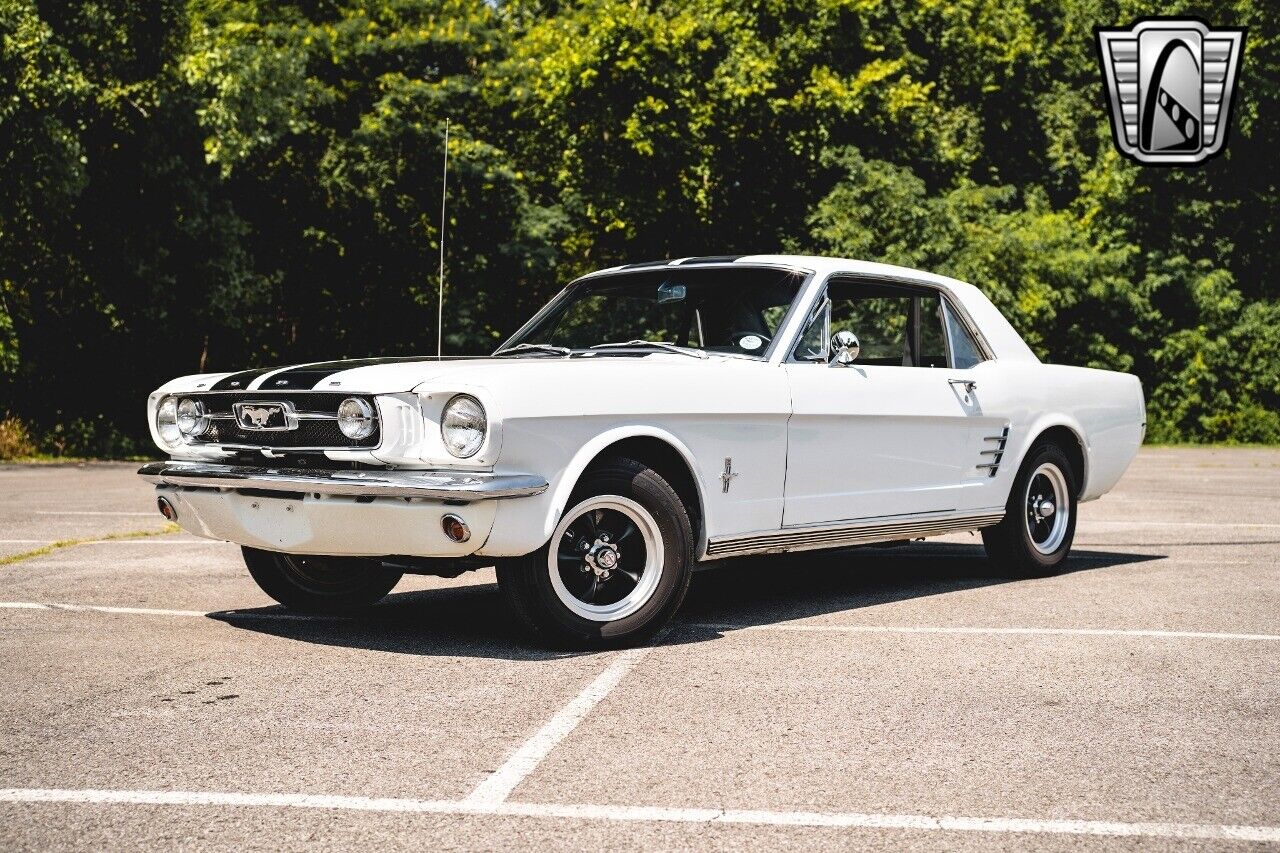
x: 741, y: 339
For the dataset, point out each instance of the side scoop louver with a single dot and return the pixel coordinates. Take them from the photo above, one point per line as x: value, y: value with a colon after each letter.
x: 992, y: 455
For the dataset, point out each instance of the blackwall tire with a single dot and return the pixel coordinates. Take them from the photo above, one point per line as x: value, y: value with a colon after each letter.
x: 1035, y: 537
x: 330, y: 585
x: 617, y: 567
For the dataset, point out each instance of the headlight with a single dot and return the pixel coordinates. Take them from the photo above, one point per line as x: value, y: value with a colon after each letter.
x: 355, y: 418
x: 192, y: 418
x: 167, y: 422
x: 463, y: 426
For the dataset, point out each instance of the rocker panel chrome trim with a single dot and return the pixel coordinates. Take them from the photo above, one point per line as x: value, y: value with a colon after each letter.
x: 827, y: 536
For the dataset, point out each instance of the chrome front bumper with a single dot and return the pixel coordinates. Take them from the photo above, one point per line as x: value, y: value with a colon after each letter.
x: 464, y: 487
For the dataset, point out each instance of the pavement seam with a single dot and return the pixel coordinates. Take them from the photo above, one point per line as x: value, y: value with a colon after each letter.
x: 69, y: 543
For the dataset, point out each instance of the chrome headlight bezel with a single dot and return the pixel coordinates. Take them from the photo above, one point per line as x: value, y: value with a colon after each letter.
x: 192, y: 418
x: 166, y: 421
x: 356, y: 418
x: 464, y: 426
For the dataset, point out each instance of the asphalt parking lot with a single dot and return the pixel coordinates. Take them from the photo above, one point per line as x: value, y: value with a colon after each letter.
x: 871, y: 699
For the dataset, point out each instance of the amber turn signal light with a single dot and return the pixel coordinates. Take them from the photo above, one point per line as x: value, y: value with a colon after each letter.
x: 455, y: 528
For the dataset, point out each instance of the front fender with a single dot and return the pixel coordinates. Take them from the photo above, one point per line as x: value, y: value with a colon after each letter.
x: 524, y: 525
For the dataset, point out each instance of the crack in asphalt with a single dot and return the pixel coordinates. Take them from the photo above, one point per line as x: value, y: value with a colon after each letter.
x: 68, y: 543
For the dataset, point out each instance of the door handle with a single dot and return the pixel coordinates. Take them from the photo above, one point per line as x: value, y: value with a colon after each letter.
x: 969, y: 384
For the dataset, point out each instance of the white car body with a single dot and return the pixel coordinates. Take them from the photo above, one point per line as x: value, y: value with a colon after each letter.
x: 779, y: 455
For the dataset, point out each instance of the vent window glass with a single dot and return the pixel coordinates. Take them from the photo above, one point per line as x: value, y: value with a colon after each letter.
x: 964, y: 349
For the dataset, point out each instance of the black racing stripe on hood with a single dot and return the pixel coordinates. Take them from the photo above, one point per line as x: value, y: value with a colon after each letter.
x: 308, y: 376
x: 240, y: 381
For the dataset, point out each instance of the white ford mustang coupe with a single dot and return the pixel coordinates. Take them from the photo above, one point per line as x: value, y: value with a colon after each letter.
x: 650, y: 418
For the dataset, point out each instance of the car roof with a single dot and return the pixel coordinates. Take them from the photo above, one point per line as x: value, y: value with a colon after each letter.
x: 810, y: 263
x: 1002, y: 338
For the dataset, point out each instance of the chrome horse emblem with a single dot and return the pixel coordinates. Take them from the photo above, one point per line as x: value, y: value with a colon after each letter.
x: 263, y: 416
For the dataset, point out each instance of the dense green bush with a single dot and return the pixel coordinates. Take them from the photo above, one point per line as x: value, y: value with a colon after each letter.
x: 212, y: 184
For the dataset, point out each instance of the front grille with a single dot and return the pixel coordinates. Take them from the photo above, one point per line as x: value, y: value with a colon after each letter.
x: 309, y: 434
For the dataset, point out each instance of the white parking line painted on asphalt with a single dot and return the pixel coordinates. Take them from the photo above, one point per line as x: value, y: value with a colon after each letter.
x: 943, y: 629
x: 95, y: 608
x: 609, y: 679
x: 156, y: 542
x: 848, y: 820
x: 89, y: 512
x: 498, y: 785
x: 1096, y: 522
x: 270, y: 615
x: 116, y: 542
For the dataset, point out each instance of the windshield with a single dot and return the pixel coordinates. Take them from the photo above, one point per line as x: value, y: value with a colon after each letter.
x: 725, y: 310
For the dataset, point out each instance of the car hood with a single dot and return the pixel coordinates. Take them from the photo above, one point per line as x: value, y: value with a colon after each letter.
x: 395, y: 375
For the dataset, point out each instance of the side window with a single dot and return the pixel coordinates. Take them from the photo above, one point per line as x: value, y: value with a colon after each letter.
x: 964, y: 350
x: 896, y: 325
x: 879, y: 316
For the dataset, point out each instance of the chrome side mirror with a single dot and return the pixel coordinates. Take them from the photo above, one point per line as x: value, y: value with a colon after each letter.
x: 844, y: 347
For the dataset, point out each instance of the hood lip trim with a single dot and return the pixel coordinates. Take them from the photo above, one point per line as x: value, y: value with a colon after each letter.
x: 267, y: 391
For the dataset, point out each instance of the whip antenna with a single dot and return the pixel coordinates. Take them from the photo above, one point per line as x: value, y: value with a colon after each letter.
x: 444, y: 189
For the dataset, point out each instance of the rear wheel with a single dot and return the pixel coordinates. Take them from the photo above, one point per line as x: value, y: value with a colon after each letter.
x: 617, y: 566
x: 1040, y: 519
x: 334, y: 585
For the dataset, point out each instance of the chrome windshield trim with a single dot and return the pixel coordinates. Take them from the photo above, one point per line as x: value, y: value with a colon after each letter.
x: 463, y: 486
x: 805, y: 272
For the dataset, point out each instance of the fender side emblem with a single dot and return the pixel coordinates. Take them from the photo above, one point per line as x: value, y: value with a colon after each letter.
x: 727, y: 477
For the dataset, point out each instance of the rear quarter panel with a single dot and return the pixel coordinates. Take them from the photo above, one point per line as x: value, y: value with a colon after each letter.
x: 1105, y: 409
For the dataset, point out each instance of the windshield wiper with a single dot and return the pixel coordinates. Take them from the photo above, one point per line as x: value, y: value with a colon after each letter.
x: 662, y: 345
x: 549, y: 349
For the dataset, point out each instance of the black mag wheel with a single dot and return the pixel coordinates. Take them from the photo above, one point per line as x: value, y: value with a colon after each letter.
x: 316, y: 584
x: 616, y: 567
x: 607, y: 559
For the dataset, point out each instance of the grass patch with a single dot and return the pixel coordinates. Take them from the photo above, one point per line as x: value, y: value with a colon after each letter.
x: 1213, y: 445
x: 67, y: 543
x: 16, y: 439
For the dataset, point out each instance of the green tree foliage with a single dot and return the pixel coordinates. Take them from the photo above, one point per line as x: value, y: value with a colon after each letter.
x: 213, y: 184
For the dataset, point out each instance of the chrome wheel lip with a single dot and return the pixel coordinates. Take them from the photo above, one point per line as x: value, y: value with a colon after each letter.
x: 1061, y: 516
x: 650, y: 575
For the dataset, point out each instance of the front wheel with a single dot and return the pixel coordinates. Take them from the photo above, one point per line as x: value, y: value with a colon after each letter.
x: 332, y: 585
x: 1040, y: 519
x: 617, y: 566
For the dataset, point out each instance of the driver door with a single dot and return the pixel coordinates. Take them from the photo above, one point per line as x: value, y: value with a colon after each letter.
x: 890, y: 433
